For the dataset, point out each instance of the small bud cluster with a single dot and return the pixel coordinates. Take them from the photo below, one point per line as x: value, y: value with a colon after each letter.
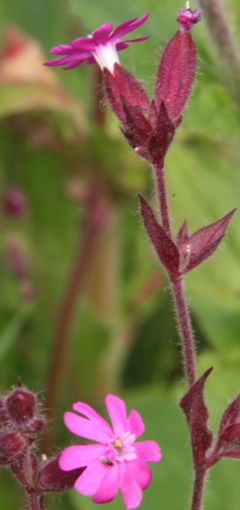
x: 21, y: 422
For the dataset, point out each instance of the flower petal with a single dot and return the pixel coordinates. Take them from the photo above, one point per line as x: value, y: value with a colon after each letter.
x: 68, y: 60
x: 117, y: 411
x: 148, y: 451
x: 134, y: 39
x: 128, y: 26
x: 80, y: 456
x: 83, y: 44
x: 91, y: 478
x: 135, y: 423
x: 85, y: 428
x: 61, y: 49
x: 142, y: 472
x: 131, y: 490
x: 102, y: 32
x: 91, y: 414
x: 109, y: 486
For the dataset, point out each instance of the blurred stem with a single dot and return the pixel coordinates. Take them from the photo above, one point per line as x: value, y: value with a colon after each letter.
x: 35, y: 501
x: 223, y: 39
x: 86, y: 253
x: 182, y: 311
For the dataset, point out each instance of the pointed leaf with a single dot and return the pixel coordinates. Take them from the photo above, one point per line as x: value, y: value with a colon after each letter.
x: 228, y: 443
x: 162, y: 136
x: 176, y: 74
x: 231, y: 415
x: 196, y: 412
x: 164, y: 246
x: 200, y: 245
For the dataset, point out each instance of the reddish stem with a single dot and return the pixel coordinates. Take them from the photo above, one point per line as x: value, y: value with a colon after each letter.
x: 184, y: 323
x: 35, y: 501
x: 198, y: 489
x: 163, y: 199
x: 185, y: 330
x: 182, y: 311
x: 81, y: 268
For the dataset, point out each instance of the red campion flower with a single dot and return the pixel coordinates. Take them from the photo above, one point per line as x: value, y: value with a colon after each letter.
x: 100, y: 47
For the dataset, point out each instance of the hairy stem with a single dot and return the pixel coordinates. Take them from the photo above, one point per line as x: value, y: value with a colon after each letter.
x: 198, y: 489
x: 223, y: 39
x: 182, y: 311
x: 76, y: 286
x: 184, y: 324
x: 35, y: 501
x: 163, y: 199
x: 185, y: 329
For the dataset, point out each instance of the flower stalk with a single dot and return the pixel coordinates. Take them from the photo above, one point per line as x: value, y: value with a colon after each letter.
x: 35, y: 501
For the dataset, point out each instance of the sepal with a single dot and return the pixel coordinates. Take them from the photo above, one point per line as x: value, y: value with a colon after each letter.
x: 53, y: 479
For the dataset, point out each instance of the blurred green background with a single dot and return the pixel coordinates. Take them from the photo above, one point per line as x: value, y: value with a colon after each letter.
x: 54, y: 146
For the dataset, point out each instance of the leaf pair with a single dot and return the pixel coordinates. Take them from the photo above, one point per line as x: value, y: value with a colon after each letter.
x: 189, y: 251
x: 227, y: 443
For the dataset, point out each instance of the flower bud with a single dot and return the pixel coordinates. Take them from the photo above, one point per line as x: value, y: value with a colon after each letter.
x: 21, y: 405
x: 14, y: 203
x: 53, y: 479
x: 12, y: 444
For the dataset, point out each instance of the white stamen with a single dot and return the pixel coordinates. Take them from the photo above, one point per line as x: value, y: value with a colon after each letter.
x: 106, y: 56
x: 188, y: 5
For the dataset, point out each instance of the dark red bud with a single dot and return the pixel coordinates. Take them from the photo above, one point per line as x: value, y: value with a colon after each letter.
x: 53, y: 479
x: 35, y: 426
x: 164, y: 246
x: 21, y: 405
x: 176, y: 74
x: 12, y: 444
x: 14, y: 203
x: 123, y: 84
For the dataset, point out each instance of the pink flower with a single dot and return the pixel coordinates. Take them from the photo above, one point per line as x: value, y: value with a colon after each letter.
x: 187, y: 18
x: 101, y: 46
x: 115, y: 461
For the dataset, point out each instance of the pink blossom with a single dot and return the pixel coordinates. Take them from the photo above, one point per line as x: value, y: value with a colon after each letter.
x: 101, y: 46
x: 115, y: 461
x: 187, y: 18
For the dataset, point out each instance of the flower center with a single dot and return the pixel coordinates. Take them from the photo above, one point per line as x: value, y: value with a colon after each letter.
x: 106, y: 56
x: 123, y: 448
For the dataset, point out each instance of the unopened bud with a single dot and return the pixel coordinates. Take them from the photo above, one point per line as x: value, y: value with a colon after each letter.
x: 12, y: 444
x: 53, y: 479
x: 21, y: 405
